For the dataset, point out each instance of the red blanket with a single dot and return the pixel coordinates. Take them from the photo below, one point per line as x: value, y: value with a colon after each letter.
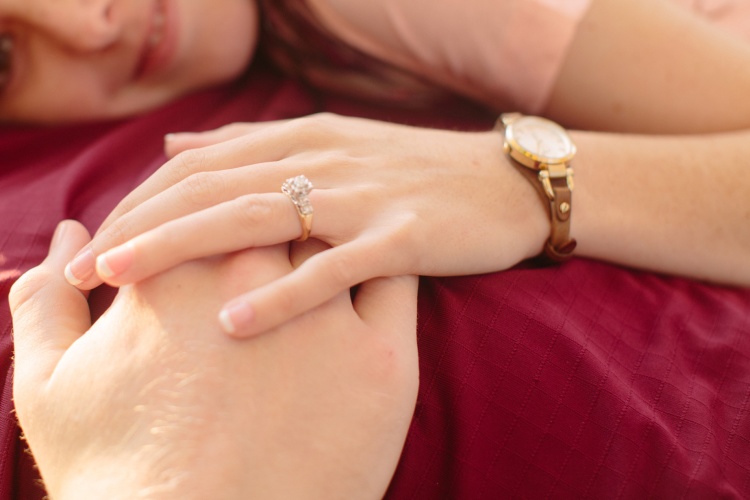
x: 583, y: 380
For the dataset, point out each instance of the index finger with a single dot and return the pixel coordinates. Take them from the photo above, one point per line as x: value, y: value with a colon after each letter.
x: 264, y: 145
x: 178, y: 142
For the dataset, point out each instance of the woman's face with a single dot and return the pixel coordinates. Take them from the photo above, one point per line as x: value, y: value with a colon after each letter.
x: 70, y: 60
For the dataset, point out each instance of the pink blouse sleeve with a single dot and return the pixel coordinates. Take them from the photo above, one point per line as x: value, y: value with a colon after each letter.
x: 503, y: 52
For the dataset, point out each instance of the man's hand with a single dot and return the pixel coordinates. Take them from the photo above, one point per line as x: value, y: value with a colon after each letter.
x: 154, y: 401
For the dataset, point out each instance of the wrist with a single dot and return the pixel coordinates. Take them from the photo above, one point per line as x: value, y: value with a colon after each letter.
x: 542, y: 151
x: 535, y: 219
x: 521, y: 202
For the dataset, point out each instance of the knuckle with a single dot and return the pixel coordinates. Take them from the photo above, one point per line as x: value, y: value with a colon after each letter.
x: 328, y: 122
x: 329, y: 117
x: 231, y: 131
x: 235, y: 128
x: 312, y: 130
x: 314, y: 119
x: 400, y: 242
x: 187, y: 163
x: 285, y: 303
x: 253, y: 211
x: 117, y: 233
x: 341, y: 270
x: 26, y: 288
x: 169, y: 238
x: 402, y: 234
x: 126, y: 205
x: 322, y: 118
x: 302, y: 128
x: 337, y: 161
x: 201, y: 189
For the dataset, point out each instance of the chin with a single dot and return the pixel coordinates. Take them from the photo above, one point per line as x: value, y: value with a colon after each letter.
x: 220, y: 39
x: 224, y: 66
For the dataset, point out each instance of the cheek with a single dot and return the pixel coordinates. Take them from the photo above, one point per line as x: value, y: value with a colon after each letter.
x: 220, y: 38
x: 55, y: 85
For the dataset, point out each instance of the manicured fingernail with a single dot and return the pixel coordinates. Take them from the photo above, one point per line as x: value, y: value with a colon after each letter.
x: 58, y: 236
x: 116, y: 261
x: 81, y: 267
x: 235, y: 316
x: 173, y: 136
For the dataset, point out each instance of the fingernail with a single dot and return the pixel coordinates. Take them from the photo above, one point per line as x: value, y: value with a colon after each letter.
x: 81, y: 267
x: 116, y: 261
x: 58, y: 236
x: 177, y: 135
x: 235, y: 316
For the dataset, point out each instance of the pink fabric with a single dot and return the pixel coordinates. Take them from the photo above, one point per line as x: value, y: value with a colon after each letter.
x: 490, y: 61
x: 386, y: 50
x: 305, y: 48
x: 583, y: 380
x: 510, y: 55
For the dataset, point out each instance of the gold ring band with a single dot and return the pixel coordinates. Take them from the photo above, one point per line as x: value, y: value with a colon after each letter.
x: 305, y: 220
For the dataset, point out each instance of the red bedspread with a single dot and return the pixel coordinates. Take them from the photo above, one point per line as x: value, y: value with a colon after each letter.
x: 583, y: 380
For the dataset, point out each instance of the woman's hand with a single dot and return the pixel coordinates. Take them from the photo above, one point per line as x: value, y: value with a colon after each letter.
x: 154, y: 401
x: 389, y: 199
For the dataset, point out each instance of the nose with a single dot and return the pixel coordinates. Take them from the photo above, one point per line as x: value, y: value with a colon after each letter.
x: 83, y: 25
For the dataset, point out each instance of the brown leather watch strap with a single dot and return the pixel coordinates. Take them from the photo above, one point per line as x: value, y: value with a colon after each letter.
x: 559, y: 247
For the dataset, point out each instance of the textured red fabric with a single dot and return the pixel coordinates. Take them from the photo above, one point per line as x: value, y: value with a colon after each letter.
x: 582, y: 380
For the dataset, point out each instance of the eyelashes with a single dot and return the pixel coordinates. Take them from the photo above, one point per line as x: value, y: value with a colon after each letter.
x: 6, y: 60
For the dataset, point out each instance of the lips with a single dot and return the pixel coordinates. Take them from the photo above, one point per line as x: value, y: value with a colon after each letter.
x: 160, y: 40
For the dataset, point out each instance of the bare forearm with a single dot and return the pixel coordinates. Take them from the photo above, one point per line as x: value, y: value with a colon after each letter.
x: 671, y: 204
x: 651, y: 66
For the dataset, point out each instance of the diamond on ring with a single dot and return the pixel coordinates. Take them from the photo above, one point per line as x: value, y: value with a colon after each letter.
x: 297, y: 189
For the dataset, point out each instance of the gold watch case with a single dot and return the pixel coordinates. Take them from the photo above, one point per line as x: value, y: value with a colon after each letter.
x: 539, y: 144
x: 534, y: 141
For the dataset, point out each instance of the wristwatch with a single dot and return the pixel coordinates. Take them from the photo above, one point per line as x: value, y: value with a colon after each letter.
x: 542, y: 150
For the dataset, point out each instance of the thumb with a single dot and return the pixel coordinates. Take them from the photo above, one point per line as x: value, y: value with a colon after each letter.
x: 48, y: 313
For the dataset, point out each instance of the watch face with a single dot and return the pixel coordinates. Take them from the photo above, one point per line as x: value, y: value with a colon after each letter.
x: 540, y: 139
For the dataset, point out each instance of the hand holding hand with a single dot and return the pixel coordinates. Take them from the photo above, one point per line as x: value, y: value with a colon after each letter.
x: 154, y: 401
x: 389, y: 200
